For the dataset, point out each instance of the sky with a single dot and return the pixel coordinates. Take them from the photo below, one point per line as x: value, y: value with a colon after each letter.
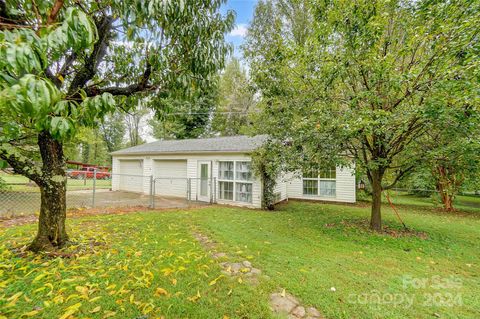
x: 244, y: 15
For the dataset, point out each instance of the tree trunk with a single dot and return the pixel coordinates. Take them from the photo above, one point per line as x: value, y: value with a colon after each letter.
x: 445, y: 186
x: 51, y: 225
x: 376, y: 214
x: 447, y: 201
x: 268, y: 184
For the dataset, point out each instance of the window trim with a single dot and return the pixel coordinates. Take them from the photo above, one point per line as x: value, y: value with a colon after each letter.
x: 310, y: 179
x: 233, y: 190
x: 319, y: 179
x: 234, y: 181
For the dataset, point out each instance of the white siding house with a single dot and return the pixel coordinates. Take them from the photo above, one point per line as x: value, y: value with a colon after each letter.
x: 339, y: 187
x: 217, y: 169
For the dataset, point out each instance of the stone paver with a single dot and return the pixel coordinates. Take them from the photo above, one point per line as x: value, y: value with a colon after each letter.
x: 280, y: 303
x: 236, y: 269
x: 244, y: 268
x: 286, y: 304
x: 219, y: 255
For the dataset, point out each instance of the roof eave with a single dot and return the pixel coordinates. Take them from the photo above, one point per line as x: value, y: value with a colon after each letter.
x: 181, y: 152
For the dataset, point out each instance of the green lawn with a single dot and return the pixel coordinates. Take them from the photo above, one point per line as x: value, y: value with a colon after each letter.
x: 305, y: 248
x: 19, y: 183
x: 465, y: 203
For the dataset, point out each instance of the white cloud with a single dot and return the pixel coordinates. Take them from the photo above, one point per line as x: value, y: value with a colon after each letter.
x: 239, y: 31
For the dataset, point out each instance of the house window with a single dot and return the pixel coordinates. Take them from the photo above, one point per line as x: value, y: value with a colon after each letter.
x: 327, y: 188
x: 244, y: 192
x: 243, y: 171
x: 322, y: 183
x: 225, y: 190
x: 235, y: 181
x: 328, y: 173
x: 310, y: 186
x: 225, y: 171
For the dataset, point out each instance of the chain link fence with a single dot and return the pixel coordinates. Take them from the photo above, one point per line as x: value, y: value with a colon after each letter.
x: 100, y: 189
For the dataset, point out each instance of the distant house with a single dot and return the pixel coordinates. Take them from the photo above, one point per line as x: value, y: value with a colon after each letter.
x: 218, y: 169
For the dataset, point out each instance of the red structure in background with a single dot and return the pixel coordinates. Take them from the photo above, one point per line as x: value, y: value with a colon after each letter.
x: 85, y: 171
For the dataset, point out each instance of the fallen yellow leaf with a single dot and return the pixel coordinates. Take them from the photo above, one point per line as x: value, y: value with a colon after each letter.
x: 196, y: 297
x: 68, y: 314
x: 96, y: 309
x: 39, y: 277
x: 82, y: 290
x: 15, y: 296
x: 161, y: 292
x: 109, y: 314
x: 214, y: 281
x: 95, y: 299
x: 31, y: 313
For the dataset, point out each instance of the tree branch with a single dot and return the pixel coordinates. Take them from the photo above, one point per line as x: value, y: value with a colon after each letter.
x: 141, y: 86
x: 68, y: 62
x: 53, y: 78
x: 398, y: 177
x: 37, y: 13
x: 55, y: 10
x: 104, y: 25
x: 21, y: 164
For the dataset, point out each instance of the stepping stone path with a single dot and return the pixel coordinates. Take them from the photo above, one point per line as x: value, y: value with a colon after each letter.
x: 286, y: 304
x: 244, y: 268
x: 280, y: 303
x: 206, y: 242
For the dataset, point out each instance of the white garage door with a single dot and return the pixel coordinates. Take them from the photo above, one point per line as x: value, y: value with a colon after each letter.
x: 171, y: 177
x: 131, y: 178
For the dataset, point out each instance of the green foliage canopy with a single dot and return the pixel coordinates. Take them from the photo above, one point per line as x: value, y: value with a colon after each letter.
x: 64, y: 65
x: 365, y: 83
x: 235, y: 103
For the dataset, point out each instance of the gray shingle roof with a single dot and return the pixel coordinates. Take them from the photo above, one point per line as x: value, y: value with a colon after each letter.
x: 240, y: 144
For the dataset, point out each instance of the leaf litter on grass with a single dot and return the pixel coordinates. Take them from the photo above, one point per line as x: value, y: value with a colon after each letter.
x: 109, y: 269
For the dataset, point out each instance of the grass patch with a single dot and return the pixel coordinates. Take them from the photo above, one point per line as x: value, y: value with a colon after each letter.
x: 305, y: 248
x: 462, y: 203
x: 19, y: 183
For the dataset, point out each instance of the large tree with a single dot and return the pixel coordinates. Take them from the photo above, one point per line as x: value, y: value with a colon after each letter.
x: 450, y: 149
x: 63, y: 64
x: 364, y: 83
x: 135, y: 120
x: 235, y: 101
x: 87, y: 146
x: 184, y: 118
x: 112, y: 130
